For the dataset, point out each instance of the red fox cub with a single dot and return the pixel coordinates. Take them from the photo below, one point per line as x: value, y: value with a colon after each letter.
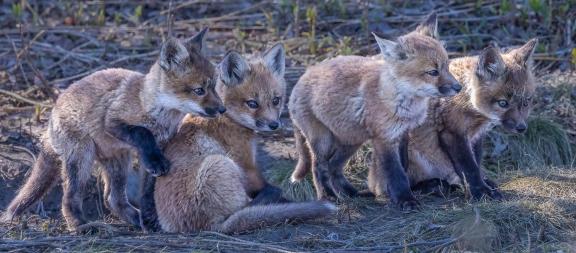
x: 498, y: 90
x: 341, y: 103
x: 106, y: 114
x: 213, y: 171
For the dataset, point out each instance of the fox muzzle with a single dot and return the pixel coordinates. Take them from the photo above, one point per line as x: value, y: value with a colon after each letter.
x: 450, y: 89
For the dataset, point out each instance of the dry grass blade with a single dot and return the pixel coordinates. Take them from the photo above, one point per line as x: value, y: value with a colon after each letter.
x: 23, y: 99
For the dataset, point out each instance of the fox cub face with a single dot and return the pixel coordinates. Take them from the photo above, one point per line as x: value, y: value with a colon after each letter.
x: 253, y: 91
x: 188, y: 80
x: 504, y: 86
x: 419, y: 61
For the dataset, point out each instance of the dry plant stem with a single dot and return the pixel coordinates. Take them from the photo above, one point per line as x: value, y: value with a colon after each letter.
x: 24, y: 52
x: 125, y: 58
x: 23, y: 99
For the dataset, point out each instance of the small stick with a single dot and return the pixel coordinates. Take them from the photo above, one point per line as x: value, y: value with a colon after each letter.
x: 23, y: 99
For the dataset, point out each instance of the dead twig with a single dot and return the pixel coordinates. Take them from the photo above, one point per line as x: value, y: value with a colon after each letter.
x: 23, y: 99
x: 112, y: 63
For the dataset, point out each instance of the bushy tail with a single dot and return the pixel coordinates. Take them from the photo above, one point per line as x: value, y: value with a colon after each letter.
x: 304, y: 157
x: 254, y: 217
x: 44, y: 175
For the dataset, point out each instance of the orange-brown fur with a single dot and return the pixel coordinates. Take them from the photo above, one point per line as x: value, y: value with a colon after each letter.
x: 84, y: 121
x: 341, y: 103
x: 214, y: 160
x: 474, y: 111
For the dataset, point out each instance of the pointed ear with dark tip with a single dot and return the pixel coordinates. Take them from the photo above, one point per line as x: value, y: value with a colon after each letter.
x: 522, y: 54
x: 196, y: 43
x: 490, y: 64
x: 172, y: 54
x: 390, y: 49
x: 275, y: 59
x: 429, y: 27
x: 233, y: 69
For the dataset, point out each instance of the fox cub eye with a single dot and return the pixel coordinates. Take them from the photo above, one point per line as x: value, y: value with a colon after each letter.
x: 199, y: 91
x: 252, y: 104
x: 433, y: 72
x: 276, y: 101
x: 503, y: 103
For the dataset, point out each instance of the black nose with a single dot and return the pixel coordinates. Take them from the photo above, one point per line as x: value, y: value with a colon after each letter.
x: 210, y: 111
x: 521, y: 128
x: 222, y: 109
x: 274, y: 125
x: 457, y: 87
x: 449, y: 89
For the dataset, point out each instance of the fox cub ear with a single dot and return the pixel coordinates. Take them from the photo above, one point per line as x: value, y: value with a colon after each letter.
x: 490, y: 64
x: 233, y: 69
x: 196, y: 43
x: 391, y: 49
x: 275, y: 59
x: 429, y: 27
x: 523, y: 54
x: 172, y: 55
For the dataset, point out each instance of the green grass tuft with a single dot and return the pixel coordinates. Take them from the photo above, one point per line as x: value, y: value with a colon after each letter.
x: 301, y: 191
x: 544, y: 144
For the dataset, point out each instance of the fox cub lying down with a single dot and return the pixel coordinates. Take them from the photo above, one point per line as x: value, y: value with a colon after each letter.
x: 213, y: 161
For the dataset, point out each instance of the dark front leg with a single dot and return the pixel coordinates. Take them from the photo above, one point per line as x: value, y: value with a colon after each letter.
x: 403, y: 149
x: 478, y: 155
x: 389, y: 174
x: 148, y: 215
x: 114, y: 175
x: 477, y: 147
x: 143, y: 140
x: 342, y: 153
x: 463, y: 158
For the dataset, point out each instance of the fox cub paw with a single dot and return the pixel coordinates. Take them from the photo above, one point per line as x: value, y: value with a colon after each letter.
x: 156, y: 164
x: 403, y: 199
x: 408, y: 204
x: 405, y: 202
x: 480, y: 192
x: 149, y: 224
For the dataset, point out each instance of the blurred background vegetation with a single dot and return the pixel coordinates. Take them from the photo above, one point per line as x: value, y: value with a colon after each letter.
x: 56, y: 42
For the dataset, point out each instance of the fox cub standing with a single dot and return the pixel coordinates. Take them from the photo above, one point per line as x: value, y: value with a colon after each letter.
x: 102, y: 116
x: 498, y: 90
x: 213, y: 168
x: 341, y: 103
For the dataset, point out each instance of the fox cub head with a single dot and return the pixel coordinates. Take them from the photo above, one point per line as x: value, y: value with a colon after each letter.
x: 253, y: 90
x: 503, y: 85
x: 419, y: 62
x: 187, y: 79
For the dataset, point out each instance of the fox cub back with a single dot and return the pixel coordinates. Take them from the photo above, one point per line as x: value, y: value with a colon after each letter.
x: 106, y: 115
x: 341, y: 103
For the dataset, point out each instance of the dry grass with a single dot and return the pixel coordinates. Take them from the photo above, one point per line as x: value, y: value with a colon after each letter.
x: 537, y: 215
